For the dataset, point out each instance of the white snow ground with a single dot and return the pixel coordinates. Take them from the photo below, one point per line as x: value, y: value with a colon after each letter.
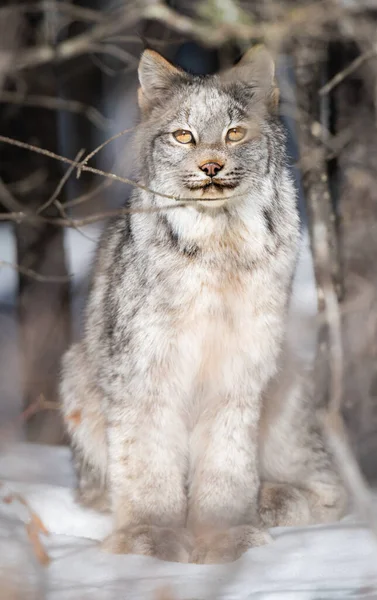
x: 314, y: 563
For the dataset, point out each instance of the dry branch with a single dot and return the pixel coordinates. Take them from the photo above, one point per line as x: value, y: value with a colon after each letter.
x: 114, y: 23
x: 82, y: 167
x: 101, y: 146
x: 351, y: 68
x: 52, y: 103
x: 61, y: 184
x: 242, y: 29
x: 33, y: 274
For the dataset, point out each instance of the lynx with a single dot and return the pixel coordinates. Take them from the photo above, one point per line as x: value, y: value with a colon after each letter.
x: 178, y: 423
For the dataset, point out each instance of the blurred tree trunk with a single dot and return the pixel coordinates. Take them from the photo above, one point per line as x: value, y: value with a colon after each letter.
x: 357, y: 167
x: 43, y: 308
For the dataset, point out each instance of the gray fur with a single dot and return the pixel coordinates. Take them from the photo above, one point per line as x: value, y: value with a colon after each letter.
x: 172, y: 386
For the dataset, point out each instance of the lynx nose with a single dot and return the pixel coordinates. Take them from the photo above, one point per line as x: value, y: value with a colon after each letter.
x: 211, y: 168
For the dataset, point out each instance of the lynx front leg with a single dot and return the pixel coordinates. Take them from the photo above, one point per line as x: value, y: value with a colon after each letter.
x: 224, y: 482
x: 147, y: 448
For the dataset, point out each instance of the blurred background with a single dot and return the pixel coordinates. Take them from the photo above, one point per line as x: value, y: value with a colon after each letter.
x: 68, y: 83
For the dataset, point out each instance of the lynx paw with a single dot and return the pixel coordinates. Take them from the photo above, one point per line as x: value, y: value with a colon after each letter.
x: 282, y: 505
x: 229, y: 545
x: 161, y: 542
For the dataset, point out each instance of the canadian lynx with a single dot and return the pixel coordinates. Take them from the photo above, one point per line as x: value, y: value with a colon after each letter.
x: 167, y: 397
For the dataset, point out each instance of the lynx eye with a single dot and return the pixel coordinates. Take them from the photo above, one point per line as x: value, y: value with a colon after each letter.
x: 183, y: 136
x: 236, y: 134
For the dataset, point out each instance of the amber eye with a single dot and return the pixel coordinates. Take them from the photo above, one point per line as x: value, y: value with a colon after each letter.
x: 183, y: 136
x: 236, y: 134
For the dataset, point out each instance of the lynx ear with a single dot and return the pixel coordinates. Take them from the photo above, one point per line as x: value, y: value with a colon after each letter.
x: 156, y: 76
x: 257, y: 69
x: 258, y: 64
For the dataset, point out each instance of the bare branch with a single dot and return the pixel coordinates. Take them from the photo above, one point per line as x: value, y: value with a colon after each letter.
x: 61, y: 184
x: 82, y: 167
x: 79, y: 44
x: 96, y: 150
x: 122, y: 18
x: 351, y: 68
x: 33, y: 274
x: 71, y: 222
x: 53, y: 103
x: 20, y: 217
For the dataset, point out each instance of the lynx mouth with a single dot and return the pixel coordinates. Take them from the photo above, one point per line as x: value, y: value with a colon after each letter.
x: 213, y: 185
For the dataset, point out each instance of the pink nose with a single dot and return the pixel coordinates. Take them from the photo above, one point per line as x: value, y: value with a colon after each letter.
x: 211, y: 168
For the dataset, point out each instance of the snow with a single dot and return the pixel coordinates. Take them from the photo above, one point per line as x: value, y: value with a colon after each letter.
x: 314, y: 563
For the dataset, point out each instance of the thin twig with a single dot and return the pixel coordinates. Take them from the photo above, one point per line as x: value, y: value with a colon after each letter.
x: 159, y: 11
x: 353, y: 66
x: 61, y: 184
x: 71, y: 221
x: 30, y: 218
x: 113, y: 176
x: 74, y: 46
x: 33, y: 274
x: 52, y: 103
x: 96, y: 150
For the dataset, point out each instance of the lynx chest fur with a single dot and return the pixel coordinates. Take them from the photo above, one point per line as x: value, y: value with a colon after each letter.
x: 224, y: 316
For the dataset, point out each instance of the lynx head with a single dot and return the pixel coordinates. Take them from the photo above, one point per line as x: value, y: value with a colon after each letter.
x: 210, y: 138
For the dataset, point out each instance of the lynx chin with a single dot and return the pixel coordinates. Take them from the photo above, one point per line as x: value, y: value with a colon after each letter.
x: 183, y: 420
